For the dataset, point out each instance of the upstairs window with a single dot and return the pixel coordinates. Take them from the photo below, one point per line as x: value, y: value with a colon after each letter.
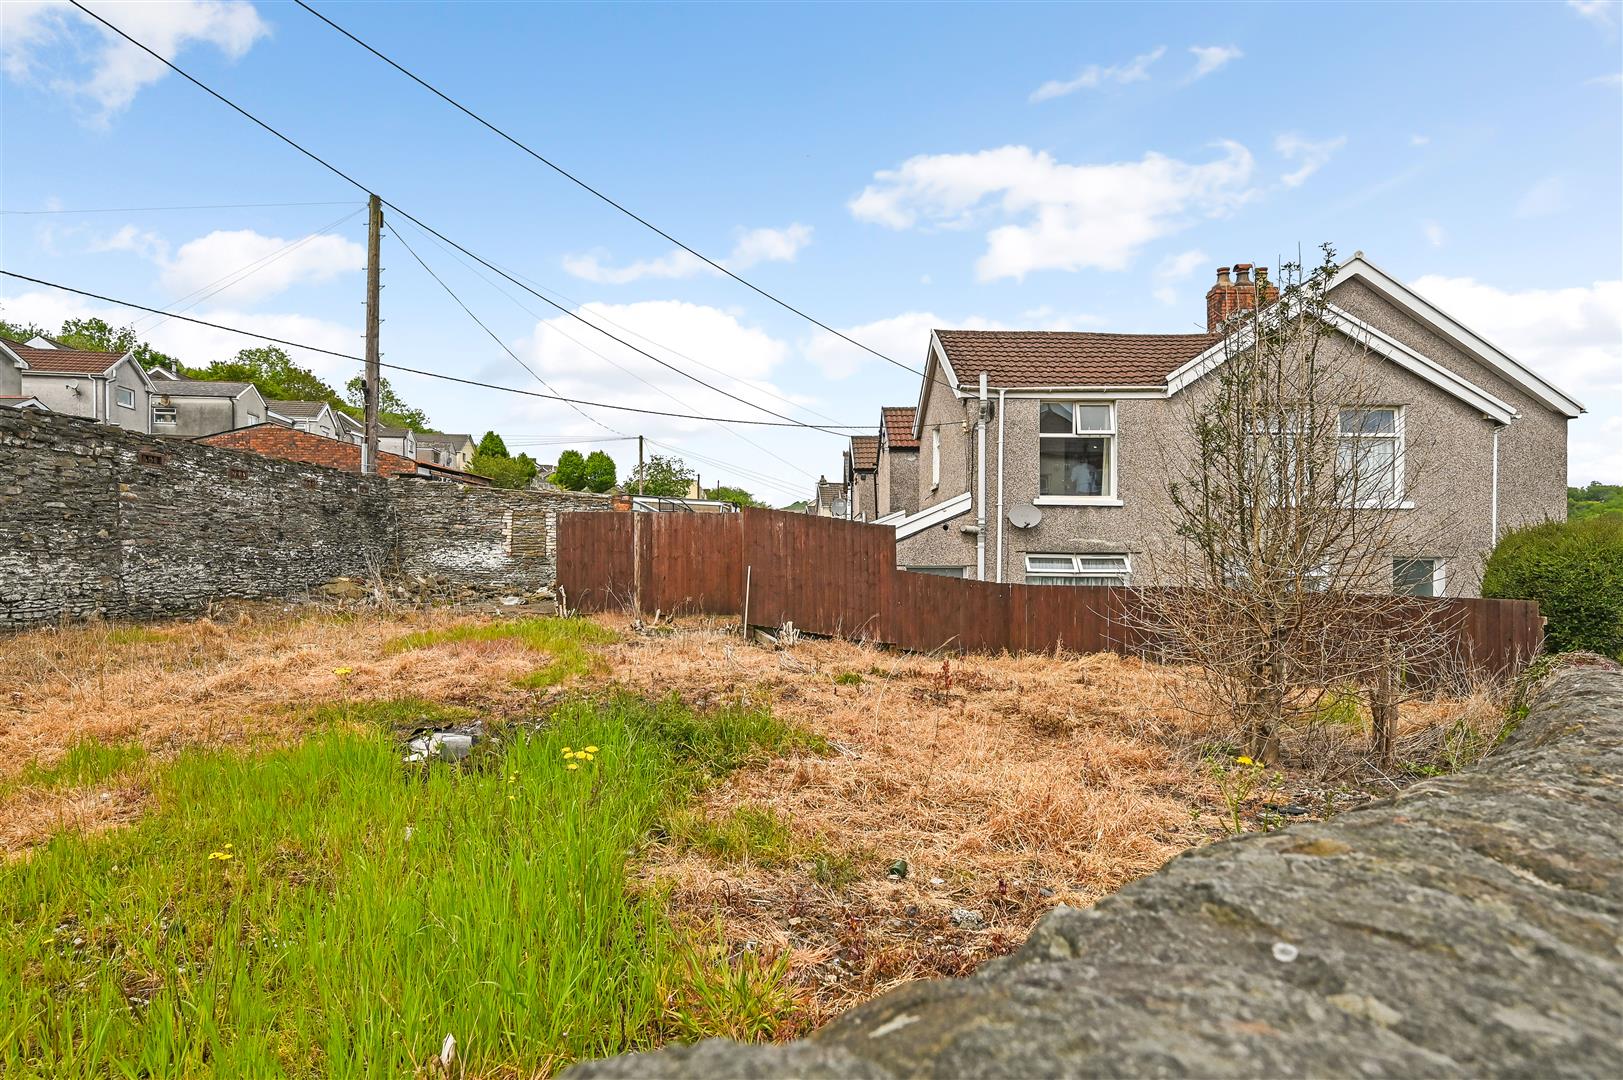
x: 1077, y: 456
x: 126, y: 397
x: 1097, y: 569
x: 163, y: 415
x: 1371, y: 455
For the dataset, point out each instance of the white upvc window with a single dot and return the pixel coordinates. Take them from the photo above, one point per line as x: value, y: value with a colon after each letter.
x: 935, y: 458
x: 125, y: 397
x: 1418, y: 576
x: 1371, y: 454
x: 939, y: 571
x: 1076, y: 452
x: 1091, y: 569
x: 162, y: 414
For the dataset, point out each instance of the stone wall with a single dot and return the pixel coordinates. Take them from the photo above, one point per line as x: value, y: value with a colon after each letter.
x: 98, y: 521
x: 1468, y: 927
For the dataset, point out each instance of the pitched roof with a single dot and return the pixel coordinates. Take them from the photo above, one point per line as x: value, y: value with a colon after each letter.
x: 898, y: 421
x: 291, y: 444
x: 864, y: 452
x: 1012, y: 358
x: 200, y: 388
x: 440, y: 438
x: 64, y: 361
x: 828, y: 491
x: 297, y: 410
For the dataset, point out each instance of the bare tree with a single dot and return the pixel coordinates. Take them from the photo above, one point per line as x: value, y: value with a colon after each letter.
x: 1288, y: 475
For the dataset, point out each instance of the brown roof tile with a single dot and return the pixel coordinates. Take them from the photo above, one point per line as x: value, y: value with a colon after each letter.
x: 290, y: 444
x: 1066, y: 358
x: 898, y: 421
x: 65, y: 361
x: 864, y: 452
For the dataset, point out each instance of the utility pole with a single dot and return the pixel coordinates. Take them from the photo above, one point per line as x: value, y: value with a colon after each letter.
x: 374, y: 244
x: 639, y: 464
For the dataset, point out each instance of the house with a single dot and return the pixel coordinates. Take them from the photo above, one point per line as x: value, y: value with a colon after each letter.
x: 316, y: 417
x: 277, y: 440
x: 828, y: 500
x: 896, y: 475
x: 186, y: 408
x: 107, y: 386
x: 453, y: 451
x: 862, y: 477
x: 396, y: 440
x: 1039, y: 450
x: 350, y: 429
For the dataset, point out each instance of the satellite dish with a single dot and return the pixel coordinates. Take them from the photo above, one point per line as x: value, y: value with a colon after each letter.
x: 1024, y: 515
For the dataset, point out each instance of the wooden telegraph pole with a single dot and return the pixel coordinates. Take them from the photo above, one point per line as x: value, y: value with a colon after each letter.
x: 374, y: 271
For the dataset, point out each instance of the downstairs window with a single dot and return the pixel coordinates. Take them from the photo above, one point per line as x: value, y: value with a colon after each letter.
x: 1417, y: 577
x: 1107, y: 569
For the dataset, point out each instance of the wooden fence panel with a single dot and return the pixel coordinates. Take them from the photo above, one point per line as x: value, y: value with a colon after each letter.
x: 930, y: 612
x: 596, y: 560
x: 690, y: 563
x: 825, y: 575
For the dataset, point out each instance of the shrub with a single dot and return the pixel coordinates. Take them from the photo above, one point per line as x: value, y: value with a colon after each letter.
x: 1574, y: 569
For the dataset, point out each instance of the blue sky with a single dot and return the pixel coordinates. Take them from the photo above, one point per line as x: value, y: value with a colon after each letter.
x: 886, y: 168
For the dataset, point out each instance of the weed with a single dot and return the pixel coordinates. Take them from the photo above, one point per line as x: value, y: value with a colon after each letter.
x: 134, y: 635
x: 319, y: 910
x: 1237, y: 780
x: 566, y: 639
x: 848, y: 678
x: 1341, y: 707
x: 86, y: 762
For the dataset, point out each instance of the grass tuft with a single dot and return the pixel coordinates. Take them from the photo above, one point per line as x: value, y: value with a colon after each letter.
x: 566, y: 639
x: 86, y: 762
x: 321, y: 910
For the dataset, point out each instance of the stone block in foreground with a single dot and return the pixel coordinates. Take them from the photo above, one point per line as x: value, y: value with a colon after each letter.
x: 1472, y: 926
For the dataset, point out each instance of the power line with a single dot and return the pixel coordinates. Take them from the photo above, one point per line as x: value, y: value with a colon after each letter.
x: 572, y: 178
x: 335, y: 170
x: 150, y: 209
x: 835, y: 428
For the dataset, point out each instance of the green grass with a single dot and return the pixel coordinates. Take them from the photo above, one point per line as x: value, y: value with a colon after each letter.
x: 368, y: 909
x: 565, y: 639
x: 86, y: 762
x: 751, y: 835
x: 134, y: 635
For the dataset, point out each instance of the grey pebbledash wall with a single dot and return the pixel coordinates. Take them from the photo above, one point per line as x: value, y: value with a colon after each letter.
x: 98, y: 521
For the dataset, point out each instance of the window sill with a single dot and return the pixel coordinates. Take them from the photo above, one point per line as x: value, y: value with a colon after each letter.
x: 1074, y: 500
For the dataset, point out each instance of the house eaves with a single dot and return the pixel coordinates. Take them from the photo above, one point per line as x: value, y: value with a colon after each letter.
x: 934, y: 515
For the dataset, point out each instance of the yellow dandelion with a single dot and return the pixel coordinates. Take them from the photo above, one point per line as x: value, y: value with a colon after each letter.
x: 591, y: 749
x: 342, y: 671
x: 1242, y: 760
x: 566, y: 750
x: 571, y: 765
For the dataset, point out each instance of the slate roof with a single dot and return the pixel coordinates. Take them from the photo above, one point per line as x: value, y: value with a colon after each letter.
x: 440, y: 438
x: 199, y: 388
x: 898, y: 421
x: 64, y: 361
x: 864, y: 452
x: 1013, y: 358
x: 297, y: 410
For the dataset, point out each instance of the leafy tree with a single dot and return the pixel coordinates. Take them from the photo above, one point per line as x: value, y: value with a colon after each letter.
x: 600, y: 472
x: 97, y: 335
x: 492, y: 446
x: 19, y: 331
x: 735, y: 495
x: 570, y: 472
x: 273, y: 371
x: 1596, y: 499
x: 505, y: 472
x: 666, y: 477
x: 392, y: 410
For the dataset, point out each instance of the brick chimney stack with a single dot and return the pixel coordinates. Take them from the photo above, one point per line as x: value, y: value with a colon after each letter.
x: 1228, y: 298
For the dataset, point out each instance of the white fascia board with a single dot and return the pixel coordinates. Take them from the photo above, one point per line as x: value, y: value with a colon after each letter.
x: 1379, y: 343
x: 1080, y: 391
x: 935, y: 515
x: 890, y: 518
x: 1361, y: 269
x: 22, y: 364
x: 936, y: 355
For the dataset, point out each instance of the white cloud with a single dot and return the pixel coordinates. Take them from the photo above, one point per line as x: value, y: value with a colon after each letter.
x: 1209, y: 58
x: 1173, y: 269
x: 1548, y: 196
x: 315, y: 258
x: 753, y: 246
x: 1597, y: 11
x: 1419, y: 140
x: 1312, y: 154
x: 1435, y: 236
x: 1573, y: 337
x: 143, y: 242
x: 1064, y: 217
x: 52, y: 45
x: 1094, y: 76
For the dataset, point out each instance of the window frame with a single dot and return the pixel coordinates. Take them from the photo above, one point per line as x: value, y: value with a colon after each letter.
x: 118, y: 397
x: 1111, y: 496
x: 935, y: 458
x: 1077, y: 570
x: 1439, y: 575
x: 1398, y: 437
x: 174, y: 415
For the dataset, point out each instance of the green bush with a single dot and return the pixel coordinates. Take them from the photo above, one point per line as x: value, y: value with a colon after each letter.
x: 1574, y: 569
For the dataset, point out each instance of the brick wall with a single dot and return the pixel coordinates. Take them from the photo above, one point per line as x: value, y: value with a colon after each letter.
x: 95, y: 520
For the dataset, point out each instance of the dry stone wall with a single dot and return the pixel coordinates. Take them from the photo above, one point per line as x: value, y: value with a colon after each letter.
x: 98, y: 521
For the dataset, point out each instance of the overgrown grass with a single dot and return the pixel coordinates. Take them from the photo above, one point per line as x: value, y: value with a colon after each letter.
x: 757, y: 836
x: 324, y: 910
x: 566, y: 639
x: 85, y: 763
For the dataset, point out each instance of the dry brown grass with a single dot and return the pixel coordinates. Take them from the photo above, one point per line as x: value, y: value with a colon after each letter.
x: 1006, y: 784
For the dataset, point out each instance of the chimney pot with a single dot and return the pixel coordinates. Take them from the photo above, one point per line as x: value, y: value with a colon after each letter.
x: 1222, y: 275
x: 1242, y: 273
x: 1262, y: 273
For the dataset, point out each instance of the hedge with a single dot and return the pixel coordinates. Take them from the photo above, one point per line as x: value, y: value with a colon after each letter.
x: 1574, y: 569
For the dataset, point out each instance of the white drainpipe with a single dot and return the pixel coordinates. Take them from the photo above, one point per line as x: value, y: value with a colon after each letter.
x: 1493, y: 499
x: 1000, y: 394
x: 980, y: 492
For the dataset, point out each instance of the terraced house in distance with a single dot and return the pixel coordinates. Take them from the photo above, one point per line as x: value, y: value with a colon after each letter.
x: 1041, y: 454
